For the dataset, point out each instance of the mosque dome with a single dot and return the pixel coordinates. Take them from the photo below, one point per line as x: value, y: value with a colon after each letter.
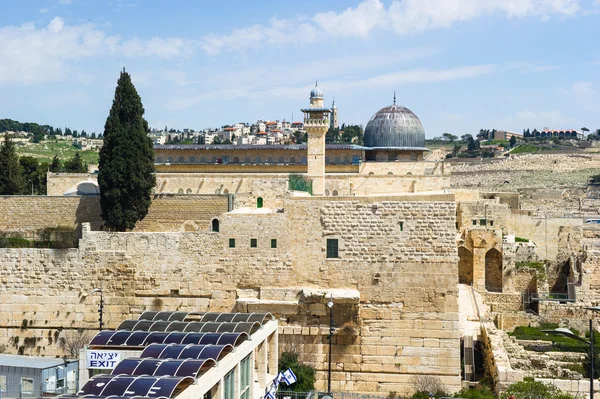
x: 316, y: 92
x: 395, y: 127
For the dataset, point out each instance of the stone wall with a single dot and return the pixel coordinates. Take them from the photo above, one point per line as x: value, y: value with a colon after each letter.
x: 167, y: 212
x: 32, y: 213
x: 59, y: 183
x: 403, y: 322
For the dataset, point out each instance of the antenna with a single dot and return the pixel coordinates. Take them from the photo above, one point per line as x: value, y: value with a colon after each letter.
x: 394, y: 97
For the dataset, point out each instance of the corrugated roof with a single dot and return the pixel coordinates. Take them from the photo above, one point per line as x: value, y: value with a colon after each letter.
x: 32, y: 362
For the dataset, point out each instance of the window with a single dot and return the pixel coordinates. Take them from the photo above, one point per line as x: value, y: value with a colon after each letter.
x: 232, y: 243
x: 332, y: 248
x: 474, y: 222
x: 401, y: 225
x: 2, y: 383
x: 245, y: 378
x: 60, y: 383
x: 188, y: 191
x: 253, y: 243
x: 274, y: 243
x: 192, y: 159
x: 180, y: 191
x: 335, y: 193
x: 26, y: 385
x: 180, y: 160
x: 482, y: 222
x: 259, y: 202
x: 158, y: 159
x: 229, y: 392
x: 292, y: 160
x: 491, y: 222
x: 215, y: 225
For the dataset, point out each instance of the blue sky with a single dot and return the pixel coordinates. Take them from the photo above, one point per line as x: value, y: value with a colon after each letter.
x: 460, y: 65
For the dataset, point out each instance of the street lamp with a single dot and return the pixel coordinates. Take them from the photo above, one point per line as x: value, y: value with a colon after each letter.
x: 101, y: 306
x: 568, y: 333
x: 330, y: 338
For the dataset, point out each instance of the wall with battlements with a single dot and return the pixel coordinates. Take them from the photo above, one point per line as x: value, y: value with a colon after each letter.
x: 394, y: 285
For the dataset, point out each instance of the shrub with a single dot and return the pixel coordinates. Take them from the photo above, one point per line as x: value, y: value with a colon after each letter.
x: 483, y: 393
x: 304, y: 373
x: 534, y: 390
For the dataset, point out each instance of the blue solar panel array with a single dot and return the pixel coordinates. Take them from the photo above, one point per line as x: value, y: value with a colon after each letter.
x: 177, y: 348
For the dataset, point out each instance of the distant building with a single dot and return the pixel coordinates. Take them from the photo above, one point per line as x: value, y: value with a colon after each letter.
x: 503, y: 135
x: 568, y: 133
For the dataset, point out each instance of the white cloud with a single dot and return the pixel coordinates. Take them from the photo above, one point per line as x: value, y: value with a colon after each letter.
x: 402, y: 17
x: 65, y: 2
x: 43, y: 10
x: 33, y: 55
x: 581, y: 89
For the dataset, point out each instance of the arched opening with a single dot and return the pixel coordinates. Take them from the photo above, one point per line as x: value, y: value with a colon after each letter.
x: 303, y: 160
x: 247, y: 160
x: 214, y: 160
x: 292, y: 160
x: 202, y: 159
x: 327, y: 193
x: 258, y: 159
x: 563, y: 280
x: 218, y: 191
x: 259, y: 202
x: 236, y: 160
x: 465, y: 266
x: 493, y: 270
x: 158, y: 160
x: 280, y: 160
x: 335, y: 193
x: 180, y: 160
x: 226, y: 191
x: 338, y: 160
x: 390, y: 173
x: 270, y: 159
x: 192, y: 159
x: 188, y: 191
x: 215, y: 225
x: 180, y: 191
x: 169, y: 159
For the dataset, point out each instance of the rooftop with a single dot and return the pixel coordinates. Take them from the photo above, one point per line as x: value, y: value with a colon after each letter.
x: 229, y: 147
x: 32, y: 362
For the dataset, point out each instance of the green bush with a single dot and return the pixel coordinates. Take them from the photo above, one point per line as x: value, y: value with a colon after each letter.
x: 534, y: 390
x: 304, y: 373
x: 521, y: 239
x: 483, y: 393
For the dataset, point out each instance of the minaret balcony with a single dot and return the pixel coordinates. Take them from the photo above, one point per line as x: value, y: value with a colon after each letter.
x: 316, y: 122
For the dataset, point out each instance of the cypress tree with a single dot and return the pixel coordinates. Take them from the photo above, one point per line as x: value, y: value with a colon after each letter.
x: 126, y: 167
x: 11, y: 175
x: 55, y: 166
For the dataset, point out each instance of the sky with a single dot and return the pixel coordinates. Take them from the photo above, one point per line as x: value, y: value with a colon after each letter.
x: 460, y: 65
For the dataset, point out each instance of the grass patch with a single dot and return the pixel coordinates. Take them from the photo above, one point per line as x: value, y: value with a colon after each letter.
x: 560, y: 343
x: 532, y: 148
x: 521, y: 239
x: 539, y: 267
x: 46, y: 150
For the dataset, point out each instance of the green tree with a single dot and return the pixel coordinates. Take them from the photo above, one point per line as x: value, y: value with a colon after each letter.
x: 513, y: 141
x: 450, y: 137
x: 530, y: 389
x: 34, y: 175
x: 470, y: 143
x: 11, y: 175
x: 75, y: 164
x: 305, y: 374
x: 126, y: 167
x: 56, y: 165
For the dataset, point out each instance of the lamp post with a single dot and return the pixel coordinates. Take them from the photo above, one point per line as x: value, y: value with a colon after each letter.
x: 330, y: 338
x: 101, y: 306
x: 568, y: 333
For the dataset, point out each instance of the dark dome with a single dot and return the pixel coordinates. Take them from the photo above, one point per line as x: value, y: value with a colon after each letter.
x: 395, y: 127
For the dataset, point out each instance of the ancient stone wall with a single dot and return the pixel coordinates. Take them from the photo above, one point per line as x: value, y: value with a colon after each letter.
x: 32, y: 213
x: 398, y: 253
x: 167, y: 213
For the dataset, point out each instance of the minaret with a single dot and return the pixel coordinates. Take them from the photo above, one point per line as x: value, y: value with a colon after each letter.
x: 316, y: 124
x: 334, y: 116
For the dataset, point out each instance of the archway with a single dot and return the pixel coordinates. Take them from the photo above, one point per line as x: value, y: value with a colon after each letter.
x: 215, y: 225
x: 465, y: 266
x: 493, y: 270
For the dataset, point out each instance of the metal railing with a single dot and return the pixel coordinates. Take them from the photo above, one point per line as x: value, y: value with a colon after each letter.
x: 334, y: 395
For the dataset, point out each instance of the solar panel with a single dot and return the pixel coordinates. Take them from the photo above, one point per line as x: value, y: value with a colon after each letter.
x: 162, y: 316
x: 159, y: 326
x: 225, y: 317
x: 192, y: 352
x: 126, y: 366
x: 211, y: 327
x: 119, y: 338
x: 101, y: 338
x: 167, y: 385
x: 168, y: 367
x: 137, y: 338
x: 195, y: 326
x: 259, y: 317
x: 172, y: 352
x: 153, y: 350
x: 177, y: 326
x: 178, y: 316
x: 156, y: 338
x: 143, y: 325
x: 247, y: 327
x: 192, y: 338
x: 192, y: 368
x: 118, y: 386
x: 175, y: 338
x: 216, y: 352
x: 127, y: 325
x: 147, y: 315
x: 210, y: 339
x: 95, y: 385
x: 141, y: 386
x: 237, y: 317
x: 147, y: 367
x: 210, y: 316
x: 232, y: 338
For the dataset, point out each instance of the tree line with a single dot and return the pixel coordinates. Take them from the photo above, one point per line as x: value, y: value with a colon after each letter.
x: 39, y: 131
x: 347, y: 134
x: 27, y: 175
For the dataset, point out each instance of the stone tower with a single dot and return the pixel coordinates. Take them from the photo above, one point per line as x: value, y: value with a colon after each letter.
x: 316, y: 124
x: 334, y: 115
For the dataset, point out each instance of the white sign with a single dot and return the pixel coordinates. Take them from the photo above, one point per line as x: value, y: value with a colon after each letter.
x: 97, y: 359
